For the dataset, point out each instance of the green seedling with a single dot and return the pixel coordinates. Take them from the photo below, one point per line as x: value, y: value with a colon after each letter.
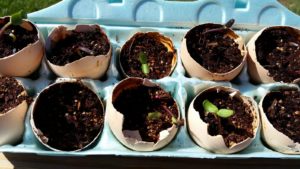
x: 154, y: 115
x: 15, y: 19
x: 143, y: 59
x: 209, y: 107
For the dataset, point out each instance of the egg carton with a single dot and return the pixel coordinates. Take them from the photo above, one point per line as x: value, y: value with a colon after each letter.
x: 120, y: 19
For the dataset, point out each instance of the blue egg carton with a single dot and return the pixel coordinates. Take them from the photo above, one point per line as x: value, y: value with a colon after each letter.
x: 120, y: 19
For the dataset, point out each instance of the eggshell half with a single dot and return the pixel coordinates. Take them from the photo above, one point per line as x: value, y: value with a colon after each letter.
x: 256, y: 71
x: 166, y: 41
x: 86, y: 67
x: 195, y: 69
x: 12, y: 123
x: 132, y: 138
x: 198, y: 129
x: 25, y: 61
x: 38, y: 133
x: 274, y: 138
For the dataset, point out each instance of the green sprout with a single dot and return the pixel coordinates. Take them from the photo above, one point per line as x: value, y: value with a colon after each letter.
x: 15, y: 19
x: 154, y: 115
x: 143, y: 60
x: 211, y: 108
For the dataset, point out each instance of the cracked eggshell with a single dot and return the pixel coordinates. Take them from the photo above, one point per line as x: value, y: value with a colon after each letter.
x: 166, y: 41
x: 132, y: 139
x: 194, y: 69
x: 87, y: 67
x: 274, y: 138
x: 12, y: 122
x: 198, y: 129
x: 25, y: 61
x: 38, y: 133
x: 256, y: 71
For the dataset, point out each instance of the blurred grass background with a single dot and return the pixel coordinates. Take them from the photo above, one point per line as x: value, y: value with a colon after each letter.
x: 8, y: 7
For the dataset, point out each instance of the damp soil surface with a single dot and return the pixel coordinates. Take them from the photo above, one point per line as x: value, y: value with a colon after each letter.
x: 235, y: 128
x: 77, y: 45
x: 278, y: 51
x: 159, y: 59
x: 23, y: 37
x: 213, y: 49
x: 282, y: 109
x: 10, y: 94
x: 69, y: 116
x: 136, y: 103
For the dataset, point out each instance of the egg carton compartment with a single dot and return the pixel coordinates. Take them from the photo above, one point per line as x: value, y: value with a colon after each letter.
x: 182, y: 87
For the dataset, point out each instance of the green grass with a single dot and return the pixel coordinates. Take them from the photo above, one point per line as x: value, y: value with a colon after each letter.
x: 8, y: 7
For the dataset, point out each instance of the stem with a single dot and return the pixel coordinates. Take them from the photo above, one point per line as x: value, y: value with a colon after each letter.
x: 4, y: 28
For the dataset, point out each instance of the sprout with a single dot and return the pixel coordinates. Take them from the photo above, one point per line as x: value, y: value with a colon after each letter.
x: 15, y: 19
x: 154, y: 115
x: 209, y: 107
x: 143, y: 60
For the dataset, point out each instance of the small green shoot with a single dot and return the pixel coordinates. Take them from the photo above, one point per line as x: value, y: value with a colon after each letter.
x: 154, y: 115
x: 143, y: 59
x: 211, y: 108
x: 15, y: 19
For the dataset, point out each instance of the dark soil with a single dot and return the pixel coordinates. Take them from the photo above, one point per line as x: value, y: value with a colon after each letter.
x: 234, y: 129
x: 69, y: 115
x: 158, y: 57
x: 136, y: 103
x: 78, y: 45
x: 283, y: 111
x: 23, y: 38
x: 10, y: 91
x: 278, y: 51
x: 214, y: 50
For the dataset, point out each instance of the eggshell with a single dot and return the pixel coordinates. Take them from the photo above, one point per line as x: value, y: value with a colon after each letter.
x: 25, y: 61
x: 12, y: 123
x: 38, y: 133
x: 166, y: 41
x: 256, y: 71
x: 274, y: 138
x: 86, y: 67
x: 195, y: 69
x: 198, y: 129
x: 132, y: 139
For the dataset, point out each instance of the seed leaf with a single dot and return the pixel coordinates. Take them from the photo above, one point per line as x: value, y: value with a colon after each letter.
x: 16, y: 18
x: 225, y: 113
x: 154, y: 115
x: 209, y: 106
x: 174, y: 120
x: 143, y: 58
x: 145, y: 69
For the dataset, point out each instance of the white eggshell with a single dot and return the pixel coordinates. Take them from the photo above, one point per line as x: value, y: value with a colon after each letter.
x: 132, y: 139
x: 12, y: 123
x: 166, y: 41
x: 195, y: 69
x: 25, y: 61
x: 274, y: 138
x: 256, y: 71
x: 198, y: 129
x: 38, y: 133
x: 86, y: 67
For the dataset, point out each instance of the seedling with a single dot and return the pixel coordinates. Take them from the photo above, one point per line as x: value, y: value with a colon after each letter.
x: 154, y: 115
x: 209, y: 107
x: 143, y: 60
x: 223, y: 28
x: 15, y: 19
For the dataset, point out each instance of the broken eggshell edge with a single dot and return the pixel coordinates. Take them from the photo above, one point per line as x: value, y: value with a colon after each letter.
x: 198, y: 129
x: 166, y: 41
x: 115, y: 120
x: 274, y: 138
x: 255, y: 70
x: 27, y: 60
x: 38, y: 133
x: 194, y: 69
x: 12, y: 122
x: 87, y: 67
